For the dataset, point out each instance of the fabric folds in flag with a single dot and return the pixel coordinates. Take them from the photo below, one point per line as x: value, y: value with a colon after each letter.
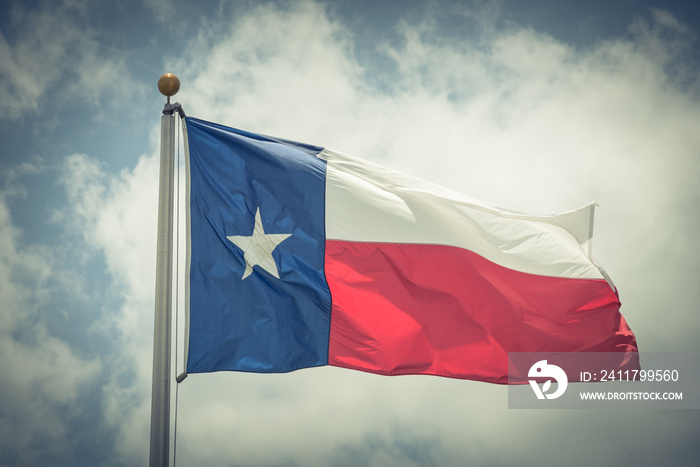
x: 300, y: 256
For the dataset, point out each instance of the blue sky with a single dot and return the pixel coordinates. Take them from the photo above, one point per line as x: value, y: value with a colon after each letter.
x: 538, y: 106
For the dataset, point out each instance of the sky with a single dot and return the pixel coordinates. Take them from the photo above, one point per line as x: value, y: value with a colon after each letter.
x: 540, y: 106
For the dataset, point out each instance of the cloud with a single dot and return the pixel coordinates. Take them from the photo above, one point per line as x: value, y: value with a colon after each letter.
x: 50, y: 51
x: 515, y: 118
x: 163, y: 10
x: 45, y: 377
x: 292, y: 58
x: 518, y: 119
x: 116, y: 216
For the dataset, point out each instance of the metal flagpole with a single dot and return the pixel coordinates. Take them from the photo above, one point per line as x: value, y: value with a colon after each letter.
x: 168, y: 84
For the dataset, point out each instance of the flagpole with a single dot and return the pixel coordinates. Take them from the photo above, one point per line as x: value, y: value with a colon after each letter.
x: 168, y: 85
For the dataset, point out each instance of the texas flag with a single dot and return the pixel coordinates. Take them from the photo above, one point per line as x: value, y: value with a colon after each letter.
x: 300, y: 256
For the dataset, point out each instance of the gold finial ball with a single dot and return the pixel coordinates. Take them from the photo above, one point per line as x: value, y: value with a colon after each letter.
x: 168, y: 84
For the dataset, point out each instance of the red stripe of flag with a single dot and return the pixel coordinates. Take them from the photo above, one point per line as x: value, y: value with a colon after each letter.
x: 441, y: 310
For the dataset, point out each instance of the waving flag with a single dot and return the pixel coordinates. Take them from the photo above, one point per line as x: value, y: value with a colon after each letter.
x: 300, y: 256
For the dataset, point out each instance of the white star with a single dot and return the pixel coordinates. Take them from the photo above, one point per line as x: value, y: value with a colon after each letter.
x: 258, y: 247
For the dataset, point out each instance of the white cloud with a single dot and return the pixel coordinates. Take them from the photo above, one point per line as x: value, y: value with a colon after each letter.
x: 44, y: 376
x: 164, y: 10
x: 117, y: 217
x: 293, y: 59
x: 48, y: 51
x: 525, y: 122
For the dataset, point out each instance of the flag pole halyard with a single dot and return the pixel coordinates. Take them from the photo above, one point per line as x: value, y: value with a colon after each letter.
x: 168, y: 85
